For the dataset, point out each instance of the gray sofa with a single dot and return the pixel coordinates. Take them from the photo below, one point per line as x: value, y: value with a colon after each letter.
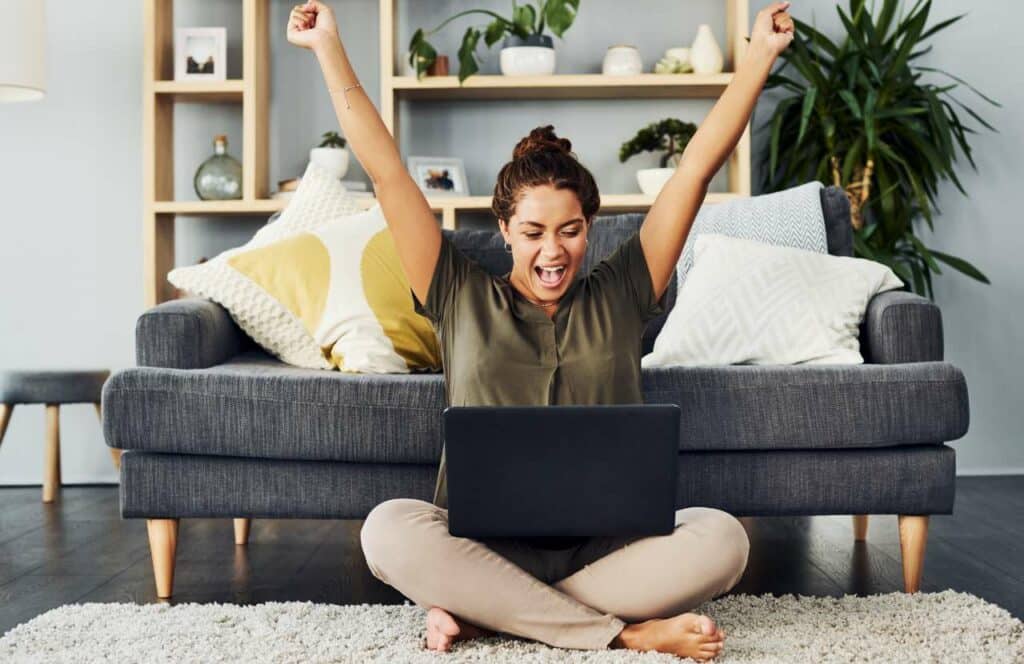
x: 214, y: 427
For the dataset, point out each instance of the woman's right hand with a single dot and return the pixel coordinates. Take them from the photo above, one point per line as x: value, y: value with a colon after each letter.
x: 310, y: 24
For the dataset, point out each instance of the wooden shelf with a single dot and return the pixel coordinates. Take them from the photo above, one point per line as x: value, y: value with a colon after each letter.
x: 201, y: 91
x: 562, y: 86
x: 213, y: 208
x: 609, y: 203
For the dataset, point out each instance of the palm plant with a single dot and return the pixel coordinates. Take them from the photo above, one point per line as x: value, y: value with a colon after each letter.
x: 859, y: 116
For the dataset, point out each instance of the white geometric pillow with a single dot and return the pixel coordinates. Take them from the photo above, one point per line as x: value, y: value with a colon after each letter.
x: 322, y: 287
x: 747, y: 302
x: 790, y: 218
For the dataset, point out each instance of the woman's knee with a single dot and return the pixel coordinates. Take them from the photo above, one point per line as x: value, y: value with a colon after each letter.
x: 387, y: 532
x: 733, y: 544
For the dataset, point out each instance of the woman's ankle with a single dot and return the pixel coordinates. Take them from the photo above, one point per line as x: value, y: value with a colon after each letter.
x: 627, y: 637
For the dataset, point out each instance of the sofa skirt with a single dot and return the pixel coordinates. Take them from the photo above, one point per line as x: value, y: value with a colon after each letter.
x: 917, y: 479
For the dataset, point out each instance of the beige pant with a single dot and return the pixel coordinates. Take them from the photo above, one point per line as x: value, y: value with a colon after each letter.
x: 579, y: 597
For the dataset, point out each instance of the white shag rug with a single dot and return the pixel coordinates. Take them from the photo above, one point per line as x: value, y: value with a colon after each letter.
x: 925, y: 627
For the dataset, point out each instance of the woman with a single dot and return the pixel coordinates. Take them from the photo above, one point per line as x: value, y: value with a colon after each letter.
x: 544, y: 334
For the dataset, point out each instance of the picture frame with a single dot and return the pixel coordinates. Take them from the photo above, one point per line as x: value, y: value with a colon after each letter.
x: 439, y: 176
x: 200, y: 54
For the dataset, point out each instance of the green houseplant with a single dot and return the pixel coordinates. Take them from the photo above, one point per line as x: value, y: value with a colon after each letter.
x: 669, y: 136
x: 859, y: 115
x: 526, y: 20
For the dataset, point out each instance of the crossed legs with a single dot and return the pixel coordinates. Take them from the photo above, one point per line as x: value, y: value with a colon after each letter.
x: 577, y: 598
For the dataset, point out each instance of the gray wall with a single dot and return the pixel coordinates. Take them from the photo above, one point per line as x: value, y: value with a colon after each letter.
x: 70, y: 253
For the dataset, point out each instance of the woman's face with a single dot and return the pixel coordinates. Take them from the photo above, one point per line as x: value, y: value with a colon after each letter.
x: 548, y: 235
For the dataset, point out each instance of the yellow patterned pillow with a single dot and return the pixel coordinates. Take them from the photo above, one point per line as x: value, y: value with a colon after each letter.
x: 323, y: 296
x: 345, y: 284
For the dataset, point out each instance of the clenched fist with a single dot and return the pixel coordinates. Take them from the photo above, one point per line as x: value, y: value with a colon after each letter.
x: 310, y: 24
x: 773, y: 29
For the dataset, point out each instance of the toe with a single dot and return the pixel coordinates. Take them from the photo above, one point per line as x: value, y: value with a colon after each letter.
x: 707, y: 625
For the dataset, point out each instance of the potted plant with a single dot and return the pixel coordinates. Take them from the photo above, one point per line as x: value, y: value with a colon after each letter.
x: 526, y: 49
x: 859, y: 114
x: 331, y: 154
x: 669, y: 136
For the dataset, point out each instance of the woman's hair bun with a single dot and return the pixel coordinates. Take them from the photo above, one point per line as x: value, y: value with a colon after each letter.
x: 541, y: 139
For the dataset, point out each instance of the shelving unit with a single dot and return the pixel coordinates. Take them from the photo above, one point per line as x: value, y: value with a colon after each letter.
x: 395, y: 87
x: 161, y: 93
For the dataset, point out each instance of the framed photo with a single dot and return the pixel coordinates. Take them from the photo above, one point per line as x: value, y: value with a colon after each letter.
x: 439, y: 176
x: 200, y: 54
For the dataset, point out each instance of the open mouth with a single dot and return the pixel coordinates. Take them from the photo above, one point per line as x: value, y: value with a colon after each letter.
x: 551, y: 277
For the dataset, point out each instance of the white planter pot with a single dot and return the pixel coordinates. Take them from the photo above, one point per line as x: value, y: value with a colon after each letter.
x: 334, y: 160
x: 651, y: 180
x: 705, y: 55
x: 534, y: 56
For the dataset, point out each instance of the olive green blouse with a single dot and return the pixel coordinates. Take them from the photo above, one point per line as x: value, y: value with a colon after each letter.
x: 498, y: 349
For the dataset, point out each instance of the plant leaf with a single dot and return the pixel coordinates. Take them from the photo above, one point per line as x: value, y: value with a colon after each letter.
x: 961, y: 265
x: 852, y: 103
x: 805, y: 112
x: 467, y: 54
x: 559, y: 14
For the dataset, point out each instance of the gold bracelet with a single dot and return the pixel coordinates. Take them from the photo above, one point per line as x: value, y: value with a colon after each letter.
x: 345, y: 92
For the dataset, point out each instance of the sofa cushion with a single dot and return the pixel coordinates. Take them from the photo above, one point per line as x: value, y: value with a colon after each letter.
x: 256, y: 406
x: 822, y: 406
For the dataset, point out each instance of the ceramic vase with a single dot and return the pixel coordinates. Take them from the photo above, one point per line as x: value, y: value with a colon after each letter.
x: 705, y: 55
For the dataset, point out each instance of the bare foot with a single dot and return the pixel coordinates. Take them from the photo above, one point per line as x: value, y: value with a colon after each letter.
x: 444, y: 629
x: 685, y: 635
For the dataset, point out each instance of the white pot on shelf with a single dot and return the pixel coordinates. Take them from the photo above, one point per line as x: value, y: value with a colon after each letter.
x: 651, y: 180
x: 533, y: 56
x: 334, y: 160
x: 705, y: 54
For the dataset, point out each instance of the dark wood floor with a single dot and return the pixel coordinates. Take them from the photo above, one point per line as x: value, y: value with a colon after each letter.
x: 79, y: 550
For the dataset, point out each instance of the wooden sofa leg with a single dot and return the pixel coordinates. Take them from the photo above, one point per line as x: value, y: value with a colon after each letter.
x: 860, y: 527
x: 242, y: 531
x: 913, y: 537
x: 51, y: 458
x: 163, y: 543
x: 6, y: 409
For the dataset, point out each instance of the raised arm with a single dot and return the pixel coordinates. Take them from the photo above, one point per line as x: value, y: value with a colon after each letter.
x: 413, y: 225
x: 668, y: 222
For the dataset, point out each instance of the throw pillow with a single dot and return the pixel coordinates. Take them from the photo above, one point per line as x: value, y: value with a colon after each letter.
x: 321, y: 287
x: 747, y: 302
x: 791, y: 217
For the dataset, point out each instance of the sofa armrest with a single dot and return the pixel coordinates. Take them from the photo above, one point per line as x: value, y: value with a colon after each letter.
x: 901, y: 327
x: 191, y: 333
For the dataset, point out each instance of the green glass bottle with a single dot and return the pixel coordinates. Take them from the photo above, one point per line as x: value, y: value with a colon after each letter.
x: 219, y: 178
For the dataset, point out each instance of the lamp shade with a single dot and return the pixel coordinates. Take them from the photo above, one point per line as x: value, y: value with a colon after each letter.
x: 22, y: 50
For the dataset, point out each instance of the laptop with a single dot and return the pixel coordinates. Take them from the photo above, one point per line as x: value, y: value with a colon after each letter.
x: 535, y: 471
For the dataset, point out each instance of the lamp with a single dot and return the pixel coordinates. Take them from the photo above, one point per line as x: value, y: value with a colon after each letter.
x: 22, y: 50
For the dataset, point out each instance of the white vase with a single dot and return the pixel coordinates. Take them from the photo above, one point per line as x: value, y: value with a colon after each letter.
x: 622, y: 60
x: 651, y: 180
x: 705, y: 55
x: 533, y: 56
x: 334, y: 160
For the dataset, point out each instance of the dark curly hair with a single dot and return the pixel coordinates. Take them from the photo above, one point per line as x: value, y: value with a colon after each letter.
x: 538, y: 159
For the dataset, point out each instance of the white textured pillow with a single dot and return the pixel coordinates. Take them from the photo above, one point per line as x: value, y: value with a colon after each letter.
x: 746, y: 302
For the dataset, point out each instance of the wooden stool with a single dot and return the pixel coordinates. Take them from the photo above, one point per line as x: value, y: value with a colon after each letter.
x: 51, y: 388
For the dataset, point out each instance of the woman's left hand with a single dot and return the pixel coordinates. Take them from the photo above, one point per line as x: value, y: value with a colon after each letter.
x: 773, y: 29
